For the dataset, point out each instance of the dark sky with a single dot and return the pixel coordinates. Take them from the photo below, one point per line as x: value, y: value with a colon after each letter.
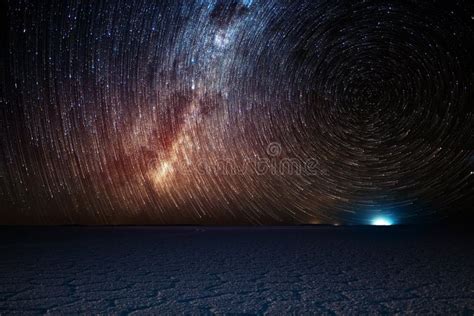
x: 236, y: 112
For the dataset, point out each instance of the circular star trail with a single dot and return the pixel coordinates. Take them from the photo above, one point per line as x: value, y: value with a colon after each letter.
x: 235, y: 112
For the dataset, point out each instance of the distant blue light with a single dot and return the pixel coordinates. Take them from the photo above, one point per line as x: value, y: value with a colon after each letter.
x: 382, y: 221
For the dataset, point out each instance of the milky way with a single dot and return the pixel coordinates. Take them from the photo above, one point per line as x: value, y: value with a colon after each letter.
x: 228, y: 112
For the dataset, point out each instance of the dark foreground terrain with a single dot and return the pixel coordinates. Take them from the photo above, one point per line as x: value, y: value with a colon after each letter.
x: 198, y: 270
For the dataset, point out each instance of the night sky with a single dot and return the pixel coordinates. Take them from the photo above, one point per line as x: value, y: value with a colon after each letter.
x: 235, y: 112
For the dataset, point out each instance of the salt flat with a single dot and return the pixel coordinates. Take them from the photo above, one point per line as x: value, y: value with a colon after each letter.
x: 266, y: 270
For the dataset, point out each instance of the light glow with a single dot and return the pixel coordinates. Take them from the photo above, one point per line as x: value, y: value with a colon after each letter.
x: 382, y: 221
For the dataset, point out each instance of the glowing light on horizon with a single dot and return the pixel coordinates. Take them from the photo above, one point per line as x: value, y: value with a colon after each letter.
x: 382, y: 221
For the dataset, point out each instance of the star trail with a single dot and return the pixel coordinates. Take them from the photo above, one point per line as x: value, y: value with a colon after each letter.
x: 235, y: 112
